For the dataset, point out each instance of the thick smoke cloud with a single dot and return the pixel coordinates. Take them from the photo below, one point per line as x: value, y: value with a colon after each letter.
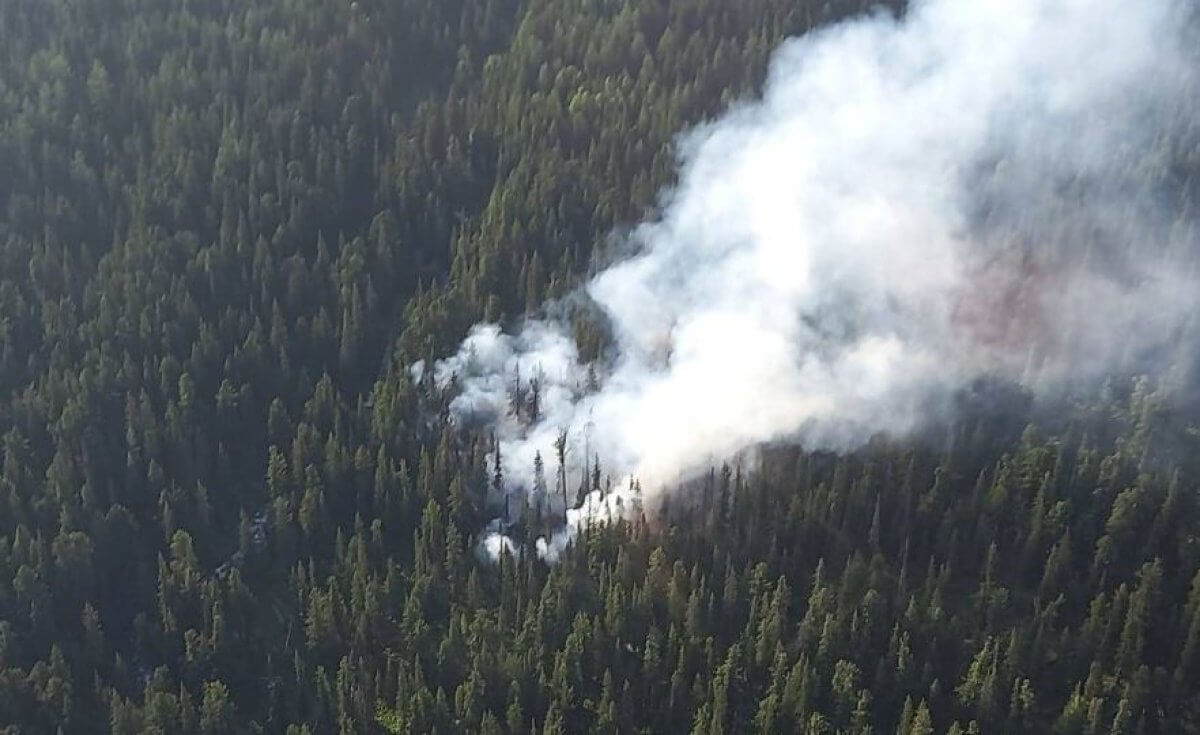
x: 979, y: 188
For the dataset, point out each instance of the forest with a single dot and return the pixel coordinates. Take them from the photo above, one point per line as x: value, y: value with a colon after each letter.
x: 228, y: 505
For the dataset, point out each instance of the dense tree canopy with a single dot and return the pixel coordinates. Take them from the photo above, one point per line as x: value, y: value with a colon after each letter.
x: 226, y: 505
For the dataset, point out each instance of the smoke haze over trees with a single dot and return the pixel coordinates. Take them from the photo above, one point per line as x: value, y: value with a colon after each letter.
x: 230, y: 504
x: 913, y: 204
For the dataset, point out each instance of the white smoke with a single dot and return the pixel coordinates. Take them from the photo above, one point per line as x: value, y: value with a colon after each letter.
x: 978, y: 188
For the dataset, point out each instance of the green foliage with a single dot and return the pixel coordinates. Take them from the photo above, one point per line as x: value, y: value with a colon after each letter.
x: 227, y: 506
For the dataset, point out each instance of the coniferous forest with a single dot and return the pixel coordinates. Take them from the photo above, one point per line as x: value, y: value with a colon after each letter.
x: 227, y: 505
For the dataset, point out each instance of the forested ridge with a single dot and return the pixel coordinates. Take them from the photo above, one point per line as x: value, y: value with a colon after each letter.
x: 227, y: 505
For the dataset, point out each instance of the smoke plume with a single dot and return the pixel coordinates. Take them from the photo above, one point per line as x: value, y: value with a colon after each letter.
x: 975, y: 189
